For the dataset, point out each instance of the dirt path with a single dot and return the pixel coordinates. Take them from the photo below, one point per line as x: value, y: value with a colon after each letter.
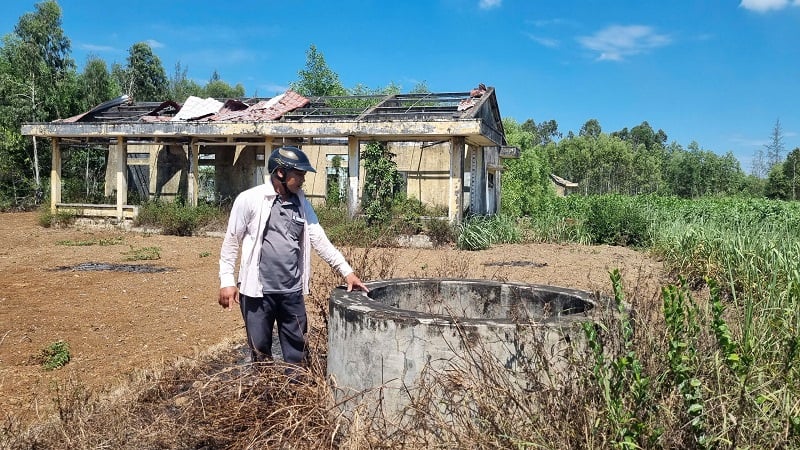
x: 118, y: 322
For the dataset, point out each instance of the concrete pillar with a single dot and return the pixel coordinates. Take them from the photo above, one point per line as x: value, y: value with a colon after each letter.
x: 456, y: 192
x: 267, y: 152
x: 122, y: 176
x: 152, y: 182
x: 354, y: 169
x: 193, y: 191
x: 55, y: 175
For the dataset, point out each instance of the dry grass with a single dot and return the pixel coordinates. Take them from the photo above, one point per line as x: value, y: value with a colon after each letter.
x: 219, y: 401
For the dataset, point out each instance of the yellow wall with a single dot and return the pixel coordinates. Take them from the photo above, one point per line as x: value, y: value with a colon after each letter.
x: 427, y: 169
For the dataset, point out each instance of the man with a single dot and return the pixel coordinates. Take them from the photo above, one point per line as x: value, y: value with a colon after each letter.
x: 274, y: 225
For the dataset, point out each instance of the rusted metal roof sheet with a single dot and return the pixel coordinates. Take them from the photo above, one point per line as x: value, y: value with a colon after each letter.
x: 270, y: 109
x: 416, y: 116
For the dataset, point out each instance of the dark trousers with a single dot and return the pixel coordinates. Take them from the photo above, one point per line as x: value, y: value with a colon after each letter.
x: 260, y: 315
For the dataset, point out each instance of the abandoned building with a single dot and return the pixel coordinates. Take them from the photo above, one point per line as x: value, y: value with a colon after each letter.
x: 448, y: 147
x: 563, y: 187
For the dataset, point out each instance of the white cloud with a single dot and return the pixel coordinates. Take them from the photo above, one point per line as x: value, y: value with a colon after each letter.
x: 489, y: 4
x: 546, y: 42
x: 767, y: 5
x: 616, y: 42
x: 154, y: 43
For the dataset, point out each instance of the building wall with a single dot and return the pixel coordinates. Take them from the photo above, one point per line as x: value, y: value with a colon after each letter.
x: 154, y: 170
x: 425, y: 167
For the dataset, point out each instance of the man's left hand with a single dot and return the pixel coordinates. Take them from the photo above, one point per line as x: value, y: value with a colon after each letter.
x: 353, y: 281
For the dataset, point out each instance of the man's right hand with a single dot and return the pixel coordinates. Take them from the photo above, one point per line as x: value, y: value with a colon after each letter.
x: 228, y: 296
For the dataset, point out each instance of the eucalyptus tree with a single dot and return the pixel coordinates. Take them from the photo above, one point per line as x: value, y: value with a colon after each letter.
x: 96, y: 84
x: 143, y: 78
x: 545, y: 132
x: 37, y: 80
x: 591, y: 129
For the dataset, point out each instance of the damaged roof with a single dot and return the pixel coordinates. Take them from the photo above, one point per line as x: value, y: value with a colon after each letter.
x: 473, y: 114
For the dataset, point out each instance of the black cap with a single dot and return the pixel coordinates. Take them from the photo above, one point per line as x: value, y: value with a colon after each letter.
x: 288, y: 157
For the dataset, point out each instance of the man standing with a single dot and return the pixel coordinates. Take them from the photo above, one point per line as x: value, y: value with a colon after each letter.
x: 274, y: 226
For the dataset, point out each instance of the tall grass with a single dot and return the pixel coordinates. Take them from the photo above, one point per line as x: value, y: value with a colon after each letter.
x: 714, y: 364
x: 735, y: 356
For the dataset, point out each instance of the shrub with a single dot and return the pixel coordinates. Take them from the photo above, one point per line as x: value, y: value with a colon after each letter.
x: 48, y: 219
x: 615, y: 220
x: 177, y: 219
x: 440, y: 231
x: 54, y: 355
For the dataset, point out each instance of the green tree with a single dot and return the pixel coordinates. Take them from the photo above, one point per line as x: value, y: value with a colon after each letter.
x: 180, y: 87
x: 526, y: 181
x: 317, y: 79
x: 144, y: 77
x: 591, y: 129
x: 96, y: 84
x: 791, y: 171
x: 643, y: 134
x: 697, y: 172
x: 217, y: 88
x: 777, y: 186
x: 37, y: 82
x: 775, y: 146
x: 545, y: 132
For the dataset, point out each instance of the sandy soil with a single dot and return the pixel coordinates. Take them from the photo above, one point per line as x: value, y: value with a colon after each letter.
x: 120, y: 322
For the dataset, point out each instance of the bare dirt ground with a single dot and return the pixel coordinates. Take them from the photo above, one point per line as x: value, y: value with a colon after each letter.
x: 117, y: 322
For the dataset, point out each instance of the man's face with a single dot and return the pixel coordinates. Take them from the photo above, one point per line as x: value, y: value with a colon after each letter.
x: 295, y: 180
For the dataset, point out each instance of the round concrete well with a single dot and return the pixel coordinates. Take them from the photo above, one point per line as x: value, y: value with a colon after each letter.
x: 380, y: 343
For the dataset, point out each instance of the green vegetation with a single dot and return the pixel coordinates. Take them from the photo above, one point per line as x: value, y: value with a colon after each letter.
x: 100, y: 242
x: 54, y: 356
x: 142, y: 254
x: 479, y: 232
x: 48, y: 219
x: 177, y: 219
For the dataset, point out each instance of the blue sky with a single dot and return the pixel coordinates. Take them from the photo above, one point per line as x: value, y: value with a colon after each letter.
x: 720, y: 73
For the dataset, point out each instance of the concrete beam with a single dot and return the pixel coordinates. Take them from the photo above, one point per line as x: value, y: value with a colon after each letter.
x: 473, y: 130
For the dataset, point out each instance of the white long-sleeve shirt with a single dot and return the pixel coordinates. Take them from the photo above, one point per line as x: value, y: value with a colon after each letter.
x: 245, y: 232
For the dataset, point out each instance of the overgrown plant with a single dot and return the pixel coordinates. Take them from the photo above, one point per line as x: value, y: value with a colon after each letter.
x: 480, y: 232
x: 683, y: 329
x: 382, y: 182
x: 175, y: 218
x: 620, y: 378
x: 55, y: 355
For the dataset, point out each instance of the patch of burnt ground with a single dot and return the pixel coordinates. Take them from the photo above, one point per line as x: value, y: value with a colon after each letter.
x: 97, y: 266
x: 515, y: 264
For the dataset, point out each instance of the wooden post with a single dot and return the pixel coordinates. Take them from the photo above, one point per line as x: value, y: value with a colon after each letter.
x: 456, y: 193
x: 122, y: 176
x: 353, y: 167
x: 55, y: 175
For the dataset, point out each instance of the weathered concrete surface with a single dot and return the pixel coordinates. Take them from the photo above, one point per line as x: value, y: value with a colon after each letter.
x: 379, y: 344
